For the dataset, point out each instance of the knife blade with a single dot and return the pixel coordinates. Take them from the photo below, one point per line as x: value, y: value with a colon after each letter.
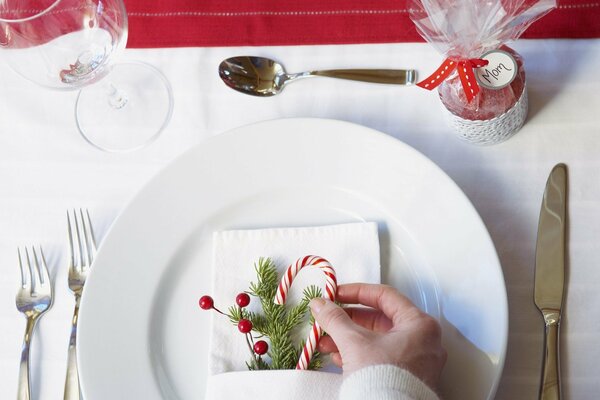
x: 550, y: 275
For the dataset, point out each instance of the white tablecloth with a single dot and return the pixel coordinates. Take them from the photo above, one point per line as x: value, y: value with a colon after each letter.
x: 45, y: 168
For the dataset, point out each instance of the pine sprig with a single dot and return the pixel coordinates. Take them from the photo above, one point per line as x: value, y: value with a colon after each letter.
x: 236, y: 314
x: 276, y: 322
x: 283, y: 354
x: 266, y: 272
x: 297, y: 313
x: 260, y: 323
x: 316, y: 362
x: 256, y: 364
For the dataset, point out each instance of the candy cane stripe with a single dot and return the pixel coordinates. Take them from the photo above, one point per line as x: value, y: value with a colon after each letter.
x: 330, y: 288
x: 329, y: 293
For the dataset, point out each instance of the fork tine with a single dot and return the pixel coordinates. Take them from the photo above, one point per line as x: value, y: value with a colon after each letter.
x: 91, y: 234
x: 32, y: 274
x: 42, y: 268
x: 37, y: 271
x: 86, y: 247
x: 78, y: 247
x: 71, y: 246
x: 25, y: 273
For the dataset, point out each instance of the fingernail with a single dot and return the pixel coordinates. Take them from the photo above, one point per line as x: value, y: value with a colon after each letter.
x: 316, y: 304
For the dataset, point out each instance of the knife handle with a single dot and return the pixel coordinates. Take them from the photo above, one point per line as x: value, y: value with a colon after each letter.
x: 550, y: 387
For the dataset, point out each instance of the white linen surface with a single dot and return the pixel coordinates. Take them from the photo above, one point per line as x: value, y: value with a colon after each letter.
x: 353, y: 251
x: 45, y: 168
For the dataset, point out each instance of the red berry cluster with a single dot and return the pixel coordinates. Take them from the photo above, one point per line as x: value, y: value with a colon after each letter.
x: 244, y: 325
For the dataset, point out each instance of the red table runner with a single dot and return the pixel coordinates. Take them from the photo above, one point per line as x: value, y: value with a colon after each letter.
x: 182, y: 23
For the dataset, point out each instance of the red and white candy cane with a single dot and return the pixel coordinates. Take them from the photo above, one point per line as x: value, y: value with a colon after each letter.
x: 330, y: 288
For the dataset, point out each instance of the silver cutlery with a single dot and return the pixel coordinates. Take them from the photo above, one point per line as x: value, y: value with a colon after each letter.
x: 82, y: 246
x: 259, y: 76
x: 33, y: 299
x: 550, y: 275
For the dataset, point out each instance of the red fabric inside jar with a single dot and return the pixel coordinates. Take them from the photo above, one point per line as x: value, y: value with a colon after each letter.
x: 489, y: 103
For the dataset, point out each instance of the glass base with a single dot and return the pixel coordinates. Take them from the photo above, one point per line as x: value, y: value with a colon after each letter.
x: 126, y: 110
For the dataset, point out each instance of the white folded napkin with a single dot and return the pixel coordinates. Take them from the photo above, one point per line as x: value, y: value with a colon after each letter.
x: 284, y: 384
x: 353, y: 251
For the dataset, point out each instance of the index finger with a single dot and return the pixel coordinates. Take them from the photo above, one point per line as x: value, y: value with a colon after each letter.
x: 382, y: 297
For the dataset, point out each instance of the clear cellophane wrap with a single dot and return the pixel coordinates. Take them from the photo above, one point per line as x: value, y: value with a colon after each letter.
x: 467, y: 29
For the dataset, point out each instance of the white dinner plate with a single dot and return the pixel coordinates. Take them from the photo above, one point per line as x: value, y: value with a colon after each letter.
x: 141, y: 333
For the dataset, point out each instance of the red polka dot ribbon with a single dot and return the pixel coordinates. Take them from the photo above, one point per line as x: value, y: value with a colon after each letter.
x: 465, y: 73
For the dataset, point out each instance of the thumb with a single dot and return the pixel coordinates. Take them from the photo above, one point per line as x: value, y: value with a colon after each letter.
x: 332, y: 318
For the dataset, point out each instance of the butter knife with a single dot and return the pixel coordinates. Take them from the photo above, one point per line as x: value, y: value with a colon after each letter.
x: 550, y: 275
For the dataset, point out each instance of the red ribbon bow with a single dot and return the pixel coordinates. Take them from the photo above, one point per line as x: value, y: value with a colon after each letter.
x: 465, y: 72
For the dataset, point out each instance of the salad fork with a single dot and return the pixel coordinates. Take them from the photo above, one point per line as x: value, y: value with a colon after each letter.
x: 82, y: 246
x: 33, y: 299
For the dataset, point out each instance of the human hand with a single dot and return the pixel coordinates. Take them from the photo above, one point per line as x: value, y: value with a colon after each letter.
x: 392, y: 331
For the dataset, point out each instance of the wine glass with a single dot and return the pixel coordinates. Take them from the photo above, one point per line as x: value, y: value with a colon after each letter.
x: 71, y: 45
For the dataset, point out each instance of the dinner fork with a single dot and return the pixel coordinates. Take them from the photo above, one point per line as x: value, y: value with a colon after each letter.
x: 33, y: 299
x: 82, y: 246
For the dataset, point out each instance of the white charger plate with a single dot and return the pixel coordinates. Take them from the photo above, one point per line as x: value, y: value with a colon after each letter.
x: 141, y: 334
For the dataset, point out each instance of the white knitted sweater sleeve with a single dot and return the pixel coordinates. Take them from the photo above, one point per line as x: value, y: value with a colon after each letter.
x: 384, y: 382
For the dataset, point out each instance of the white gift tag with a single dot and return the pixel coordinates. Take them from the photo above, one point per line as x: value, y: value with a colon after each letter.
x: 500, y: 71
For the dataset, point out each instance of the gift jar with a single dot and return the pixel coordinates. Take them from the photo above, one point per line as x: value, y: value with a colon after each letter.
x: 481, y: 81
x: 495, y: 113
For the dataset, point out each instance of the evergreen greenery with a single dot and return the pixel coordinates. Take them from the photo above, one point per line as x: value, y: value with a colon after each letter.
x: 276, y: 322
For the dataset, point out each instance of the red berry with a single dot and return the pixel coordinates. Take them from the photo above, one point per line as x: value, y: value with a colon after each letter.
x: 242, y: 299
x: 206, y: 302
x: 261, y: 347
x: 245, y: 325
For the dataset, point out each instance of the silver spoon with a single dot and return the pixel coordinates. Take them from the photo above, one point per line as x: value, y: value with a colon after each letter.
x: 259, y: 76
